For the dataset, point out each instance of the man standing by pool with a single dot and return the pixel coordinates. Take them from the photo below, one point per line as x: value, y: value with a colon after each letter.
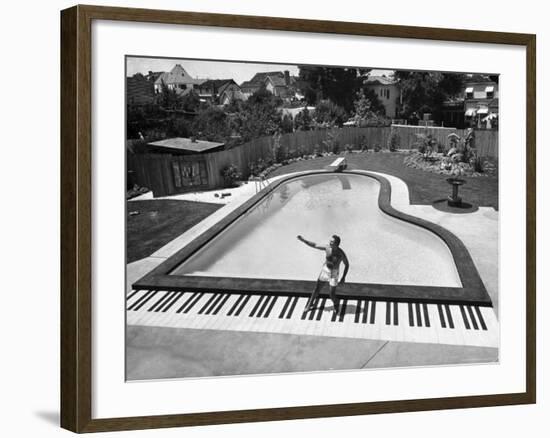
x: 330, y: 270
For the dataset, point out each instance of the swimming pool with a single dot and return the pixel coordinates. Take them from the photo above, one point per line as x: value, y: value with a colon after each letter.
x: 392, y: 255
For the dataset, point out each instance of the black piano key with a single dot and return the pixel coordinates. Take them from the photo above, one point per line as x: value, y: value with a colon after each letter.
x: 320, y: 310
x: 235, y: 304
x: 207, y: 304
x: 312, y: 313
x: 418, y: 315
x: 139, y: 300
x: 214, y: 304
x: 464, y: 317
x: 343, y: 311
x: 174, y: 300
x: 388, y: 313
x: 160, y: 301
x: 411, y: 315
x: 395, y: 314
x: 472, y: 317
x: 256, y: 306
x: 194, y: 302
x: 243, y: 304
x: 366, y: 311
x: 373, y: 312
x: 441, y: 317
x: 264, y: 305
x: 305, y: 313
x: 131, y: 294
x: 292, y: 306
x: 145, y: 301
x: 480, y: 317
x: 449, y: 316
x: 426, y: 315
x: 221, y: 304
x: 187, y: 301
x: 334, y: 315
x: 285, y: 306
x: 167, y: 301
x: 357, y: 312
x: 270, y: 308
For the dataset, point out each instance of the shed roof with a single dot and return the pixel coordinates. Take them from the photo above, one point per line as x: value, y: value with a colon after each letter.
x: 186, y: 144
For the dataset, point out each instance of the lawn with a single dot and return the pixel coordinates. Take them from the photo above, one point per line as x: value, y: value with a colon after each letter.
x: 424, y: 187
x: 159, y: 222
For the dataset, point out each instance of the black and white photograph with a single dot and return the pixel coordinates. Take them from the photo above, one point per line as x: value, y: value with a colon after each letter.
x: 291, y: 218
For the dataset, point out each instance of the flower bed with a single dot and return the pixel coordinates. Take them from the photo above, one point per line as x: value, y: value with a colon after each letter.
x: 444, y: 164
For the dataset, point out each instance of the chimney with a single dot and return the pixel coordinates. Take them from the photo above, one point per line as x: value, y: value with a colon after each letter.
x: 287, y: 78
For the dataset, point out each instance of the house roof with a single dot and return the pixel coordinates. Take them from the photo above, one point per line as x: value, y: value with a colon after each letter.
x: 260, y: 77
x: 186, y: 144
x: 380, y: 80
x: 217, y: 84
x: 177, y: 75
x: 276, y: 80
x: 250, y: 84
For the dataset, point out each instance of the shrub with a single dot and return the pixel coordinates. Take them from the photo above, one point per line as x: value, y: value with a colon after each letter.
x: 331, y: 143
x: 394, y: 141
x: 477, y: 164
x: 317, y: 151
x: 230, y: 175
x: 363, y: 145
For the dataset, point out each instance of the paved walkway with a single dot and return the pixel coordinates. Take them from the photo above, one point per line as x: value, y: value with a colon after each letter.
x: 157, y: 352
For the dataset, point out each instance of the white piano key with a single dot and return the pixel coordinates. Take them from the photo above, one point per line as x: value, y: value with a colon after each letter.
x: 435, y: 322
x: 222, y: 321
x: 493, y: 326
x: 243, y: 320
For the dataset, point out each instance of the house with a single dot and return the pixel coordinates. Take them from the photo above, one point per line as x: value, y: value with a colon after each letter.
x: 220, y: 91
x: 257, y: 81
x: 278, y: 83
x: 177, y: 79
x: 476, y: 106
x: 388, y: 92
x: 279, y: 86
x: 481, y: 103
x: 139, y: 90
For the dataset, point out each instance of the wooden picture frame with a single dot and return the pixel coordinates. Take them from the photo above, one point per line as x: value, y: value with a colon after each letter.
x: 76, y: 218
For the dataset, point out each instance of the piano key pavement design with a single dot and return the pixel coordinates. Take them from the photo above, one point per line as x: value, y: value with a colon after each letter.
x: 357, y: 318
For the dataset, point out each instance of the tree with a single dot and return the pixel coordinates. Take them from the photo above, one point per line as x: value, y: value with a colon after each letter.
x: 424, y: 92
x: 169, y: 98
x: 303, y: 120
x: 338, y: 84
x: 328, y: 113
x: 212, y: 124
x: 259, y: 115
x: 190, y: 102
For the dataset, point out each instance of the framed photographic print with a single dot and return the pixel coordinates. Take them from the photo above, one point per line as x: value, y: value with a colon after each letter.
x: 268, y: 219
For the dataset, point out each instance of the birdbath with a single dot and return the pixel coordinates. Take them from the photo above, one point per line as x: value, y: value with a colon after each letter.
x: 454, y: 200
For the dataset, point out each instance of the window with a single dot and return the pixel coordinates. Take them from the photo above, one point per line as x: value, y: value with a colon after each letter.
x: 469, y: 93
x: 490, y: 92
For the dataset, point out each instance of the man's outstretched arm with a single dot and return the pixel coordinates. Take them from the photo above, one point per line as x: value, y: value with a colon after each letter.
x: 308, y: 243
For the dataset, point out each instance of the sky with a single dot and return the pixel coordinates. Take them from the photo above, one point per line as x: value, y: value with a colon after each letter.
x: 239, y: 71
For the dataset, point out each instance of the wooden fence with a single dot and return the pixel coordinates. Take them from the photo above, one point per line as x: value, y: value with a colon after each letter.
x: 168, y: 174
